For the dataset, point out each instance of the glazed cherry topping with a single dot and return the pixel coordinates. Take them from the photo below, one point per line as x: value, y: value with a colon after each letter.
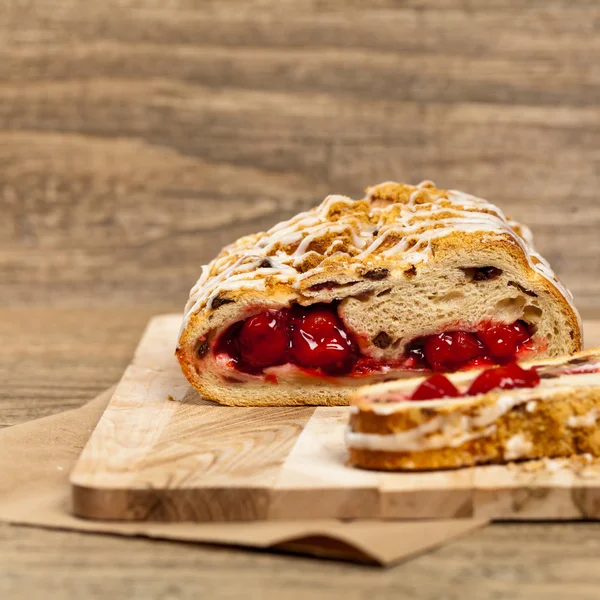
x: 416, y: 358
x: 366, y: 366
x: 448, y: 351
x: 507, y: 377
x: 319, y: 341
x: 311, y: 337
x: 453, y: 350
x: 229, y: 342
x: 500, y: 340
x: 522, y: 331
x: 436, y: 386
x: 504, y: 378
x: 481, y: 361
x: 263, y: 339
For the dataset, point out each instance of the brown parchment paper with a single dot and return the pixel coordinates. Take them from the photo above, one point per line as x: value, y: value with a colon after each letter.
x: 37, y: 457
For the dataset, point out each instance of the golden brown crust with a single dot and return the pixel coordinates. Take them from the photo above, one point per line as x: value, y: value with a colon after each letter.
x: 265, y: 394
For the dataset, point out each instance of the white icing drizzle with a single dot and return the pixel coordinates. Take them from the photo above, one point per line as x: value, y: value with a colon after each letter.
x: 491, y: 413
x: 449, y: 435
x: 531, y: 406
x: 587, y: 420
x: 443, y: 431
x: 361, y: 228
x: 488, y: 414
x: 518, y: 446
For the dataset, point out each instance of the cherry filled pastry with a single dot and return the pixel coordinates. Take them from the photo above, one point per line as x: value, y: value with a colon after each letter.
x: 544, y: 408
x: 406, y: 281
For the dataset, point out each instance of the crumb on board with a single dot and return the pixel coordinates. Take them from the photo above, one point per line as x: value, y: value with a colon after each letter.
x: 170, y: 398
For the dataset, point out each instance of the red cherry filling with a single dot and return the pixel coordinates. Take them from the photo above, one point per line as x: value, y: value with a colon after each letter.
x: 479, y: 362
x: 437, y: 386
x: 500, y: 340
x: 453, y: 350
x: 263, y: 339
x: 228, y: 343
x: 504, y: 378
x: 319, y: 341
x: 507, y: 377
x: 521, y: 330
x: 315, y: 338
x: 447, y: 351
x: 416, y: 358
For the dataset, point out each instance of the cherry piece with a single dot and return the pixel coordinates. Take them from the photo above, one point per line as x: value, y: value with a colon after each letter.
x: 438, y: 350
x: 447, y: 351
x: 296, y: 315
x: 483, y: 360
x: 437, y: 386
x: 228, y: 343
x: 263, y: 339
x: 366, y: 366
x: 504, y: 378
x: 466, y: 346
x: 319, y: 341
x: 500, y: 340
x: 415, y: 358
x: 522, y: 331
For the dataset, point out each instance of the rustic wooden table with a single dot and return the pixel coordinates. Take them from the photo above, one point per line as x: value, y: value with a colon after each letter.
x: 138, y: 136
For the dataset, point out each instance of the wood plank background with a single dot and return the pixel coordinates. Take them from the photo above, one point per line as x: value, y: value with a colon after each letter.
x: 138, y: 136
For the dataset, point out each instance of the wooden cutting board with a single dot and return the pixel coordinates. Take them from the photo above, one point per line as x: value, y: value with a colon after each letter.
x: 160, y: 452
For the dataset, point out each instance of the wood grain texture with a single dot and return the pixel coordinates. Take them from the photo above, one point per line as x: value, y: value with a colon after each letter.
x: 53, y: 360
x: 137, y: 137
x: 527, y: 561
x: 519, y: 562
x: 162, y: 453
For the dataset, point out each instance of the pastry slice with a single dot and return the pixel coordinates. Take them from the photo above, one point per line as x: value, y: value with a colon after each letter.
x: 546, y: 408
x: 407, y: 280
